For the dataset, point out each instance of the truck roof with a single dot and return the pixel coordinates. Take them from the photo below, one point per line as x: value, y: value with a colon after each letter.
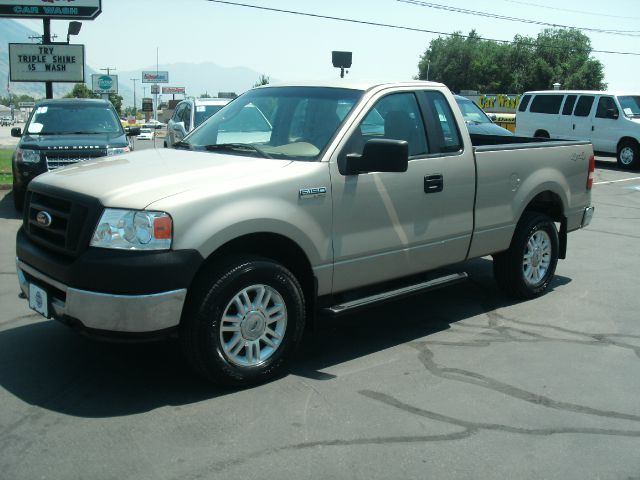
x: 354, y: 85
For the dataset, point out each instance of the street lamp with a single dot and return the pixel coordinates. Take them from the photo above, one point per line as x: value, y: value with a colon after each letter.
x: 134, y: 94
x: 74, y: 29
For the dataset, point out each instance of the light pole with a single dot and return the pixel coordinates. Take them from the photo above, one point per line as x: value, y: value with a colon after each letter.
x: 134, y: 80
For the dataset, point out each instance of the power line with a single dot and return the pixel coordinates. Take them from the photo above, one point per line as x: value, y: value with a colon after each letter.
x: 401, y: 27
x: 571, y: 11
x: 478, y: 13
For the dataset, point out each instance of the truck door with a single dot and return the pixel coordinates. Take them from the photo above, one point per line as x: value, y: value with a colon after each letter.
x: 388, y: 225
x: 582, y: 118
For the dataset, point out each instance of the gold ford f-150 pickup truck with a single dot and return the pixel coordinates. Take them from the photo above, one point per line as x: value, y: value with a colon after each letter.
x: 291, y: 201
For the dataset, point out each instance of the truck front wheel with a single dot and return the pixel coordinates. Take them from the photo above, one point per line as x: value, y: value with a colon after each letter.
x: 527, y: 268
x: 243, y: 321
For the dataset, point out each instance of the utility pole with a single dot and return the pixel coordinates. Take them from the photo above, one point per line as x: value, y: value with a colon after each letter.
x: 134, y: 94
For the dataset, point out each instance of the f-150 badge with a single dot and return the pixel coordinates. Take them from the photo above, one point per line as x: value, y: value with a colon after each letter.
x: 313, y: 192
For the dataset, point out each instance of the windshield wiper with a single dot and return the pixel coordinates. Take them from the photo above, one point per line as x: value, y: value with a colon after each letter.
x: 181, y: 144
x: 237, y: 147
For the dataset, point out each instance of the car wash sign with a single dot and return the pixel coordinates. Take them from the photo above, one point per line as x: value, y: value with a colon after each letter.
x: 34, y: 62
x: 104, y: 83
x: 74, y: 9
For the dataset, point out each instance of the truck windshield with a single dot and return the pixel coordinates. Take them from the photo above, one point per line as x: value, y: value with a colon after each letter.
x: 295, y: 123
x: 630, y: 105
x: 68, y: 118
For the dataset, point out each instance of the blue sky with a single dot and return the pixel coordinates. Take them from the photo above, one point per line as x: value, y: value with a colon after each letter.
x: 289, y: 47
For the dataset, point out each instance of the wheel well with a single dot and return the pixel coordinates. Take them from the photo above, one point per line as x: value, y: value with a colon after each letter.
x: 274, y: 247
x: 629, y: 139
x: 541, y: 134
x: 550, y: 204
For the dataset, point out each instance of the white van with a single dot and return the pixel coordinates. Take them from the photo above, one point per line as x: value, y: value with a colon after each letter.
x: 609, y: 120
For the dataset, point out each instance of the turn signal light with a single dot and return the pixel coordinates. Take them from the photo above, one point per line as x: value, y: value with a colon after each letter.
x: 162, y: 228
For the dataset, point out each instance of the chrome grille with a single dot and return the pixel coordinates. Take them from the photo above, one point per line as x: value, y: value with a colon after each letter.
x: 67, y: 220
x: 63, y: 157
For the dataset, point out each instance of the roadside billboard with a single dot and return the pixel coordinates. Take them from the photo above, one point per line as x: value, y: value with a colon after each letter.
x: 33, y: 62
x: 74, y: 9
x: 173, y: 90
x: 104, y: 83
x: 155, y: 77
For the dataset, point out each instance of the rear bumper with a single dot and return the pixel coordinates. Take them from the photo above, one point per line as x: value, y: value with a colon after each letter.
x: 102, y: 312
x: 587, y: 216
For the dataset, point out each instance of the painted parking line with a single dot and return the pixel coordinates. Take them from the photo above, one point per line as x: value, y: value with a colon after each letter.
x: 616, y: 181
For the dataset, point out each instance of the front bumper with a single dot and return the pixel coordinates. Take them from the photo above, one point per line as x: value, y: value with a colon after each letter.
x: 106, y: 312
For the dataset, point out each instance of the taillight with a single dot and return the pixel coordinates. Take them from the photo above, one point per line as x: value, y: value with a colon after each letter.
x: 592, y: 171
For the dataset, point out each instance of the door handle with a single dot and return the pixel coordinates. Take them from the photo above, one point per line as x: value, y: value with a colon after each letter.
x: 574, y: 126
x: 433, y: 183
x: 592, y: 128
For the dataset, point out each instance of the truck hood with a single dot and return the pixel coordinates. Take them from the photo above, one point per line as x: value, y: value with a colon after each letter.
x: 138, y: 179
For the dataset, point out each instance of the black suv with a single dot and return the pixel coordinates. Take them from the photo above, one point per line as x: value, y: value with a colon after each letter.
x: 62, y: 132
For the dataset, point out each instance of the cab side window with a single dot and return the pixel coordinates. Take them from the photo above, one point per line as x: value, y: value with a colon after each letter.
x: 396, y: 116
x: 177, y: 115
x: 606, y: 104
x: 186, y: 117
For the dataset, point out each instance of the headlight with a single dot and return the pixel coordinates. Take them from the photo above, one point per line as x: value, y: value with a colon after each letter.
x: 117, y: 150
x: 133, y: 230
x: 26, y: 155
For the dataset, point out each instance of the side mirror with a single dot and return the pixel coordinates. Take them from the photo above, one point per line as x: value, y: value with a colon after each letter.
x: 379, y: 155
x: 16, y: 132
x: 492, y: 116
x: 612, y: 113
x: 133, y: 131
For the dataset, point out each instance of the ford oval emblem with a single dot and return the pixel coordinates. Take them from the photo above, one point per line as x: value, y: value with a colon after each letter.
x: 43, y: 219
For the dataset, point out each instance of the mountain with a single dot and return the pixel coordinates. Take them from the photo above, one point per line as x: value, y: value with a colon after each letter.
x: 197, y: 78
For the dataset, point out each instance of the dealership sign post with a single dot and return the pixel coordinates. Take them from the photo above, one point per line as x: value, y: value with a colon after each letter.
x: 53, y: 66
x: 73, y: 9
x: 32, y: 62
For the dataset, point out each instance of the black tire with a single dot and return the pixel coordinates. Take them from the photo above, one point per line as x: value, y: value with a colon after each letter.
x: 541, y: 134
x: 206, y: 344
x: 509, y: 268
x: 18, y: 197
x: 628, y: 155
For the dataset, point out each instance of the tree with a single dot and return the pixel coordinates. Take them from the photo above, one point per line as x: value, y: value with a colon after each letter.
x: 80, y: 90
x: 471, y: 63
x: 263, y: 79
x: 205, y: 95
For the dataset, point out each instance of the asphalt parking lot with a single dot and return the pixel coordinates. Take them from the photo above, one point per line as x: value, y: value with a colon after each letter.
x: 457, y: 383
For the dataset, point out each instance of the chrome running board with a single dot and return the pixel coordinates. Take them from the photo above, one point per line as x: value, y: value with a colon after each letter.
x: 353, y: 305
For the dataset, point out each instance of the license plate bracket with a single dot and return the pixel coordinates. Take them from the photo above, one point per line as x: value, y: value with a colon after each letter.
x: 39, y: 300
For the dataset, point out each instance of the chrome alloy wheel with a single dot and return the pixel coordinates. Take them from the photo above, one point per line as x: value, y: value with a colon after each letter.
x: 537, y: 257
x: 626, y: 155
x: 253, y: 325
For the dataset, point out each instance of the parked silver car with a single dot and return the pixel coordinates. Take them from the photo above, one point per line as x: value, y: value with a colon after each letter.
x: 189, y: 114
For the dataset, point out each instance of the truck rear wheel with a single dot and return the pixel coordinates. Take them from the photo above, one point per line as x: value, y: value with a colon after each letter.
x: 243, y: 322
x: 628, y: 155
x: 527, y: 268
